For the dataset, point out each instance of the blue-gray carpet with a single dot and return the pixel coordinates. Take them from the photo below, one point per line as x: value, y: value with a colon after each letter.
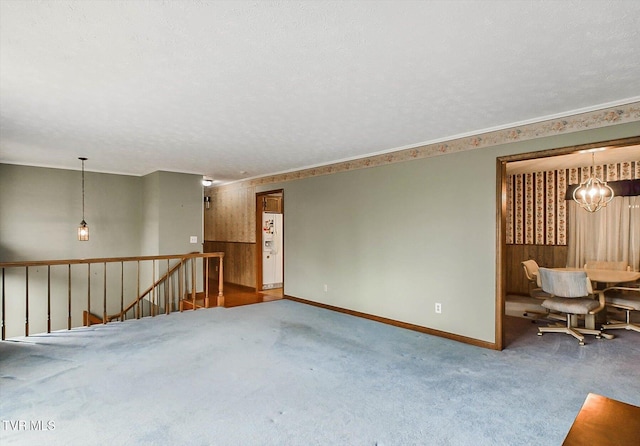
x: 285, y: 373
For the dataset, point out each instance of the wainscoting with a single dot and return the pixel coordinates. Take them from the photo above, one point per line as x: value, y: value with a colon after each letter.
x: 239, y: 261
x: 552, y: 256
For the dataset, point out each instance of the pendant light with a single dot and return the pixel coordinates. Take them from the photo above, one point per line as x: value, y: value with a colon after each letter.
x: 593, y: 194
x: 83, y: 229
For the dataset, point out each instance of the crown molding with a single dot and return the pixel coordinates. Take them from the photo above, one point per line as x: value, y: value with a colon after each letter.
x: 561, y: 125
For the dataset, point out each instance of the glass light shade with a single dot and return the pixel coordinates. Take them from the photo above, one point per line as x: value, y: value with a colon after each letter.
x: 83, y: 231
x: 593, y: 194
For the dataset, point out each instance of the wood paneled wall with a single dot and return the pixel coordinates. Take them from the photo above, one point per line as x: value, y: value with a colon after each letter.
x: 551, y: 256
x: 231, y: 216
x: 230, y: 227
x: 239, y: 261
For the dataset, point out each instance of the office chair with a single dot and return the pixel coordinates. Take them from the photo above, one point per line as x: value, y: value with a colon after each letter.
x: 531, y: 272
x: 570, y: 294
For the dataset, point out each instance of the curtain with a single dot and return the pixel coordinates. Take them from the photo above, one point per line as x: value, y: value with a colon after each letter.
x: 612, y: 234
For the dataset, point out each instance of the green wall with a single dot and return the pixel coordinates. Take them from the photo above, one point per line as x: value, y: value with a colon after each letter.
x: 392, y: 241
x: 171, y: 213
x: 181, y: 212
x: 40, y: 210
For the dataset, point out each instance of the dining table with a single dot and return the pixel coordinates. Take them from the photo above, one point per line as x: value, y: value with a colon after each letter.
x: 610, y: 277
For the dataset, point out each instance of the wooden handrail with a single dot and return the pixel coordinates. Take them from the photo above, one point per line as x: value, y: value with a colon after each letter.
x: 108, y: 259
x: 166, y: 278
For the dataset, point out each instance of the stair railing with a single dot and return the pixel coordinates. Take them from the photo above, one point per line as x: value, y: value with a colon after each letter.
x: 135, y: 304
x: 28, y: 291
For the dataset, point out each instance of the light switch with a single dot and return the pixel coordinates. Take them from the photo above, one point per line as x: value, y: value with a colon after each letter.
x: 193, y: 239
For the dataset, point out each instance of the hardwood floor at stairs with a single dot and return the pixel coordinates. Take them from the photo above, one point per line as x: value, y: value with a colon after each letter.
x: 235, y: 295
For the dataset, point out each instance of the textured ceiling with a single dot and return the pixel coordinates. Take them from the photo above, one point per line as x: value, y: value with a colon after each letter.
x: 241, y: 89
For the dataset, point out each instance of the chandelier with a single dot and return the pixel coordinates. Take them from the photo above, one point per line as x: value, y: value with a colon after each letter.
x: 593, y: 194
x: 83, y: 229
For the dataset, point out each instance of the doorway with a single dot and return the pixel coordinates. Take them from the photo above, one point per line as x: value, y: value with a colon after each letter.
x: 506, y: 263
x: 270, y: 242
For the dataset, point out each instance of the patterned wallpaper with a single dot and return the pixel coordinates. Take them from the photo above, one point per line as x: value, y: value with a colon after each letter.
x: 232, y: 213
x: 569, y: 124
x: 536, y: 206
x: 232, y: 216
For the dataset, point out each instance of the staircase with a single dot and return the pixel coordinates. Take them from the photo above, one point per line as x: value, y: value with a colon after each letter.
x: 200, y: 301
x: 175, y: 290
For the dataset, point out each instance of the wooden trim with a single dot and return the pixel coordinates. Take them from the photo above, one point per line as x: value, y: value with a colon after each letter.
x: 406, y: 325
x: 192, y: 255
x: 121, y: 286
x: 89, y: 288
x: 220, y: 299
x: 26, y: 302
x: 3, y: 307
x: 205, y: 270
x: 49, y: 299
x: 570, y: 149
x: 259, y: 211
x: 258, y: 254
x: 104, y: 294
x: 68, y: 298
x: 501, y: 240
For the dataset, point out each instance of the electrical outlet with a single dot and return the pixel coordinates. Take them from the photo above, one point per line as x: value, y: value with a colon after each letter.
x: 438, y: 307
x: 326, y: 288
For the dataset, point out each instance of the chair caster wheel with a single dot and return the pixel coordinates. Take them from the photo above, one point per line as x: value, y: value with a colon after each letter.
x: 581, y: 343
x: 607, y: 336
x: 598, y: 337
x: 539, y: 334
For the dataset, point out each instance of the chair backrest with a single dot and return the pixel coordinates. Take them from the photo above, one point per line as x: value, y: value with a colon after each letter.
x: 530, y: 269
x: 565, y: 283
x: 618, y: 266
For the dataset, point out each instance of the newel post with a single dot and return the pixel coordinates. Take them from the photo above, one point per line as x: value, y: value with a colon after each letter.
x: 221, y: 283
